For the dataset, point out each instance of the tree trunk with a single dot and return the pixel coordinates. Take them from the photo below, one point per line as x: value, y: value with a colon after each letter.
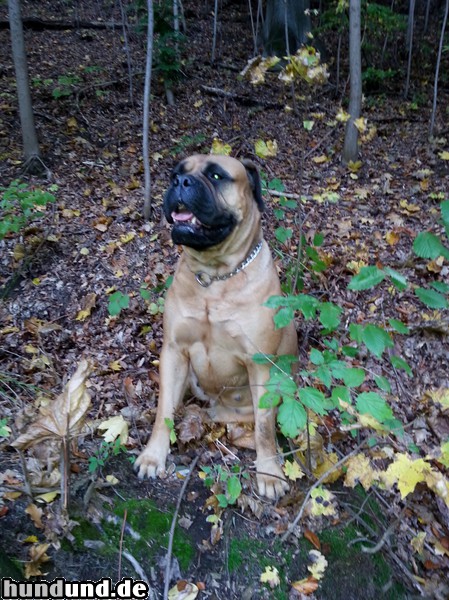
x: 350, y: 148
x: 279, y: 16
x: 29, y: 136
x: 437, y: 69
x: 146, y: 112
x: 409, y: 42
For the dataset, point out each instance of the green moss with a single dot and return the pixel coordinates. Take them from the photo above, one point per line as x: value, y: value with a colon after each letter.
x: 146, y: 536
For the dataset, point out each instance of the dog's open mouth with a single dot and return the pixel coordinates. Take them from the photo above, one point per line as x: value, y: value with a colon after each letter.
x: 185, y: 218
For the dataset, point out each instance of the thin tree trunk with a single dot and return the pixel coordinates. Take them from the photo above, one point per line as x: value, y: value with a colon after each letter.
x: 437, y: 69
x: 214, y: 39
x: 410, y: 29
x: 128, y: 51
x: 29, y: 136
x: 146, y: 112
x: 350, y: 147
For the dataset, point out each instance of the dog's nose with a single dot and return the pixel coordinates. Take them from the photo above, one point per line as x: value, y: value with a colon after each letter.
x: 182, y: 181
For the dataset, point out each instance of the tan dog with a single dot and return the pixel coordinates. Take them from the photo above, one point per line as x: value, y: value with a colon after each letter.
x: 214, y: 319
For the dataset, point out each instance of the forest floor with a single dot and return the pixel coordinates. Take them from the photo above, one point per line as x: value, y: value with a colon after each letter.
x: 57, y: 275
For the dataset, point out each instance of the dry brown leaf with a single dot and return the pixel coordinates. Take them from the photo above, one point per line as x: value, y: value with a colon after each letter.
x: 63, y: 417
x: 36, y: 514
x: 306, y: 586
x: 241, y: 435
x: 191, y: 426
x: 38, y: 557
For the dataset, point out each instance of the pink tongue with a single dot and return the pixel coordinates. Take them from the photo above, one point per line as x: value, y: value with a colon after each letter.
x: 184, y: 216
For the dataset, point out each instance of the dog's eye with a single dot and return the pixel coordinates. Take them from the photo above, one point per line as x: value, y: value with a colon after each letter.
x: 216, y: 176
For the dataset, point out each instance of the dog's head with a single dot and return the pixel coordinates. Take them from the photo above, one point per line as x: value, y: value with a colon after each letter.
x: 208, y: 197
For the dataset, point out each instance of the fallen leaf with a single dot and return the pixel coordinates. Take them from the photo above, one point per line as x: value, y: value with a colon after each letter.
x: 38, y: 557
x: 306, y: 586
x: 88, y: 304
x: 115, y: 427
x: 183, y: 590
x: 313, y: 538
x: 319, y: 564
x: 270, y: 576
x: 35, y: 514
x: 292, y: 470
x: 64, y: 416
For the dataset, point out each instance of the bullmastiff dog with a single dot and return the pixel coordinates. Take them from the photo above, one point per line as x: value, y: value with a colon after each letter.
x: 214, y: 318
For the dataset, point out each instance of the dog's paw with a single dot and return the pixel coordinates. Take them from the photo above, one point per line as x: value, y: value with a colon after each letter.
x: 149, y: 465
x: 271, y: 481
x: 272, y: 487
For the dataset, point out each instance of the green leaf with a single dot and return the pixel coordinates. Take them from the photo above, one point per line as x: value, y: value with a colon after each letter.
x: 316, y: 357
x: 376, y: 339
x: 382, y: 383
x: 356, y: 332
x: 440, y: 286
x: 323, y: 373
x: 117, y: 301
x: 330, y: 315
x: 318, y: 239
x: 368, y: 278
x: 282, y: 384
x: 282, y: 234
x: 292, y: 417
x: 431, y: 298
x: 222, y: 500
x: 340, y: 393
x: 313, y: 399
x: 269, y: 400
x: 307, y: 305
x: 145, y: 294
x: 353, y: 377
x: 372, y: 404
x: 399, y: 363
x: 350, y: 351
x: 283, y: 317
x: 428, y: 245
x: 234, y: 489
x: 397, y: 279
x: 262, y: 359
x: 399, y: 326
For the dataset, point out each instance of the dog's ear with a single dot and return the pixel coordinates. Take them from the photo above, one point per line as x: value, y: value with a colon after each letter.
x: 254, y: 179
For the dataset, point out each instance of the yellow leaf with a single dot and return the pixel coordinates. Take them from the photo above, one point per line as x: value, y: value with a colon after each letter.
x: 127, y: 237
x: 358, y: 469
x: 31, y: 539
x: 410, y: 208
x: 354, y: 166
x: 327, y: 462
x: 19, y: 251
x: 321, y: 502
x: 417, y: 543
x: 38, y: 556
x: 270, y: 576
x: 115, y: 427
x: 89, y: 303
x: 72, y: 123
x: 292, y: 470
x: 64, y: 417
x: 198, y: 104
x: 392, y: 238
x: 342, y: 116
x: 306, y: 586
x: 84, y: 251
x: 36, y: 281
x: 319, y: 160
x: 444, y: 155
x: 48, y: 497
x: 360, y: 124
x: 406, y: 472
x: 319, y: 564
x: 112, y: 480
x: 219, y: 147
x: 440, y: 396
x: 266, y: 149
x: 115, y: 366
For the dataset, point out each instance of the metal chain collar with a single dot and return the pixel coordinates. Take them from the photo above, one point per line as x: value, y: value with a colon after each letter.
x: 205, y: 280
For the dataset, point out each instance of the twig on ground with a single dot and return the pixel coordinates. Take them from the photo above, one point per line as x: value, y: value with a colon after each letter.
x: 318, y: 482
x: 172, y: 528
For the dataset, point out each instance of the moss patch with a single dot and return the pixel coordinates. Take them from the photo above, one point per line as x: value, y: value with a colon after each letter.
x: 145, y: 537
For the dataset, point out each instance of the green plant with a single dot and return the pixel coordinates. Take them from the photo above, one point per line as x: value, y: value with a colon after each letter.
x: 426, y: 245
x: 228, y: 481
x: 19, y: 205
x: 5, y: 431
x: 105, y: 452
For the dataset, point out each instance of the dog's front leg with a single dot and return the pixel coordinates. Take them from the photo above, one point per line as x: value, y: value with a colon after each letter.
x: 173, y: 375
x: 270, y: 478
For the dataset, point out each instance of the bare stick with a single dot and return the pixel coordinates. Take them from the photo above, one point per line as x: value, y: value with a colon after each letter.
x: 120, y: 550
x: 172, y: 528
x: 146, y: 113
x: 314, y: 486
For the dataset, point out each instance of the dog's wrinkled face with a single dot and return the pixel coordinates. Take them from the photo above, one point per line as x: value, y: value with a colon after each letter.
x: 207, y: 197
